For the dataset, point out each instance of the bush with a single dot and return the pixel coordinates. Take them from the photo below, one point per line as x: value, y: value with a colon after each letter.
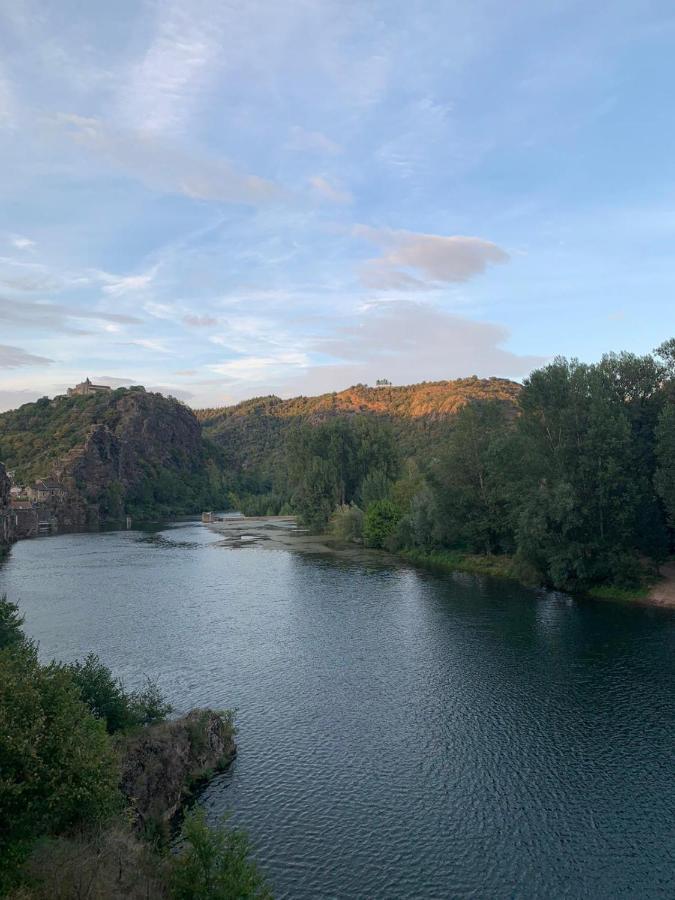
x: 57, y: 766
x: 381, y: 520
x: 106, y: 698
x: 215, y: 864
x: 10, y: 624
x: 346, y: 523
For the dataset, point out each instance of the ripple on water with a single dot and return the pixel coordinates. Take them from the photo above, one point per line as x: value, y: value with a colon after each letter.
x: 401, y: 734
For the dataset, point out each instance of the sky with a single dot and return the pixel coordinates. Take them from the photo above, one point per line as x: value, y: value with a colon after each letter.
x: 222, y: 199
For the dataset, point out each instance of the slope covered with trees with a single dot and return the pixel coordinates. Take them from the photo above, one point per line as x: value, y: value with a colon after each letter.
x: 124, y: 452
x: 254, y: 431
x: 571, y: 483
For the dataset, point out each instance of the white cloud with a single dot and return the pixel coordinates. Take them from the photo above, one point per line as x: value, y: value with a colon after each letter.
x: 257, y: 369
x: 407, y: 343
x: 116, y: 285
x: 148, y: 344
x: 180, y: 61
x: 440, y: 259
x: 21, y: 242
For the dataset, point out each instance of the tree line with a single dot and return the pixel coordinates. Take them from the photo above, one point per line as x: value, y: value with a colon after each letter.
x: 574, y: 484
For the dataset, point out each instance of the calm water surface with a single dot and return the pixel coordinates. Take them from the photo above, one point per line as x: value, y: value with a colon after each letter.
x: 401, y: 734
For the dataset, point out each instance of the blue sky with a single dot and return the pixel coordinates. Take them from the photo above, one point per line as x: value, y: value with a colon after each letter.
x: 226, y: 199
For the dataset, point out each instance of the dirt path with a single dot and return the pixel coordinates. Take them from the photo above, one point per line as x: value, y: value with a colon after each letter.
x: 663, y: 592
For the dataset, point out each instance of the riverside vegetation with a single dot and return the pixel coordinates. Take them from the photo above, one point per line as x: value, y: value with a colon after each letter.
x: 568, y: 482
x: 70, y: 736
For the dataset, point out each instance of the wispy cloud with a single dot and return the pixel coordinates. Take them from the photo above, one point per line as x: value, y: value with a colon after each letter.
x: 327, y: 191
x: 116, y: 285
x: 179, y: 63
x: 195, y: 321
x: 167, y: 168
x: 55, y: 316
x: 259, y: 369
x: 21, y: 242
x: 409, y: 342
x: 15, y: 358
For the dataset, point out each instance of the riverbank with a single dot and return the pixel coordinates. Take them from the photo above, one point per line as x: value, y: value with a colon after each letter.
x: 238, y: 531
x: 659, y: 593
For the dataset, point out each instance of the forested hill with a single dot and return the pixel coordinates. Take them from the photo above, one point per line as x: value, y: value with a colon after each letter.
x: 254, y: 432
x: 116, y: 453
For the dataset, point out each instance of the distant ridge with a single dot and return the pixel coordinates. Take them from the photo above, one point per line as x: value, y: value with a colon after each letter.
x: 253, y: 432
x: 427, y: 398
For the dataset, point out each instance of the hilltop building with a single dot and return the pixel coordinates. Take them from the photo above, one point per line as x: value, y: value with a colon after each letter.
x: 84, y: 388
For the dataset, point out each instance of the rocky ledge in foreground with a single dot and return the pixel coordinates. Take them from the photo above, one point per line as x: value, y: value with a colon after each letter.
x: 161, y: 764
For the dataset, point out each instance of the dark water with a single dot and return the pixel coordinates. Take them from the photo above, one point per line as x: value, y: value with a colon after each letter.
x: 401, y: 734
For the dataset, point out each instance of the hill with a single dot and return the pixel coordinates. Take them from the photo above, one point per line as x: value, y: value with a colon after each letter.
x: 254, y: 432
x: 122, y: 452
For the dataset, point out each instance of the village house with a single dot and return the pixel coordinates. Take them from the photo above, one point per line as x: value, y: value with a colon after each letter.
x: 45, y: 489
x: 84, y: 388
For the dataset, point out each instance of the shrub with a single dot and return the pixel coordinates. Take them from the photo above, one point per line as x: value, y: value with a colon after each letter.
x: 106, y: 698
x: 215, y: 864
x: 57, y: 766
x: 380, y: 523
x: 10, y: 624
x: 346, y: 523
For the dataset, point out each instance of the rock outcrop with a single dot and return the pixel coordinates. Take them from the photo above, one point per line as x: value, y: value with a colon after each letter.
x: 127, y: 452
x: 162, y: 764
x: 6, y: 517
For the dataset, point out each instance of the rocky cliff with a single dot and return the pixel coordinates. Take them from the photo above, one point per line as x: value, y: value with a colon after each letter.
x: 162, y: 763
x: 126, y: 452
x: 6, y: 518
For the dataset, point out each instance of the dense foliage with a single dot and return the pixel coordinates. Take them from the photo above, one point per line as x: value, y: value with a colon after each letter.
x: 577, y: 487
x: 63, y: 831
x: 126, y: 452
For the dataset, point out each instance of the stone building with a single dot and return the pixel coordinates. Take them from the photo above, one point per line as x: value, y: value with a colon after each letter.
x: 46, y: 489
x: 26, y: 518
x: 84, y: 388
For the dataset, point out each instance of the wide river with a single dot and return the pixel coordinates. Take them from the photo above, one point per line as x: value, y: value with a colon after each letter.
x: 401, y: 734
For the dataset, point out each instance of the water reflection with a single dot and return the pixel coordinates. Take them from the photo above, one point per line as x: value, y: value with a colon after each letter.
x: 401, y: 734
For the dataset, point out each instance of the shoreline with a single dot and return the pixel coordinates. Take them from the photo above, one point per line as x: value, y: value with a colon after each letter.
x: 283, y: 531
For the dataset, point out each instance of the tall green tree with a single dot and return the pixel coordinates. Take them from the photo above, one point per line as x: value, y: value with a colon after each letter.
x: 468, y: 481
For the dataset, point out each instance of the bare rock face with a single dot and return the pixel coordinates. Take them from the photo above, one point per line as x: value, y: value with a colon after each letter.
x: 162, y: 763
x: 6, y: 518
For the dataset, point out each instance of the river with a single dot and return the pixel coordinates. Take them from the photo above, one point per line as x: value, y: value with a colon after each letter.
x: 401, y: 734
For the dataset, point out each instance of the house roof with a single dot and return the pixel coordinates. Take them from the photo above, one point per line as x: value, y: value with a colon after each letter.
x: 47, y: 484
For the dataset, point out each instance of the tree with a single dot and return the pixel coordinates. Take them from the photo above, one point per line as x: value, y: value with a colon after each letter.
x: 468, y: 481
x: 329, y: 463
x: 380, y: 522
x: 215, y: 864
x: 57, y: 765
x: 580, y: 491
x: 109, y: 701
x: 11, y: 621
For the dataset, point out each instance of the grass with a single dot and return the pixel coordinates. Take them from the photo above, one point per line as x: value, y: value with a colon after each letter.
x: 504, y: 567
x: 622, y: 594
x: 472, y: 564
